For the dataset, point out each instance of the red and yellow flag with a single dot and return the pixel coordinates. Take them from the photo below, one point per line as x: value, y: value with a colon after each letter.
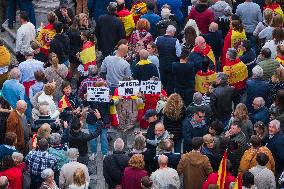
x: 138, y: 9
x: 222, y: 172
x: 127, y: 20
x: 236, y: 72
x: 276, y: 8
x: 88, y: 55
x: 203, y: 80
x: 45, y: 36
x: 64, y: 102
x: 236, y: 40
x: 280, y: 60
x: 238, y: 183
x: 206, y: 52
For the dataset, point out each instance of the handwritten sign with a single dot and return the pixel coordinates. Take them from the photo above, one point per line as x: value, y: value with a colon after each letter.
x: 98, y: 94
x: 151, y: 87
x: 128, y: 88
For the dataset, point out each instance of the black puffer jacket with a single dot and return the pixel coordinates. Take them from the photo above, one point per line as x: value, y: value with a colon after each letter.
x: 174, y: 127
x: 60, y: 45
x: 113, y: 168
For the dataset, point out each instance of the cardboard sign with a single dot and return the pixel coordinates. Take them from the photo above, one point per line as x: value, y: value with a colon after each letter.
x: 151, y: 87
x: 128, y: 88
x: 98, y: 94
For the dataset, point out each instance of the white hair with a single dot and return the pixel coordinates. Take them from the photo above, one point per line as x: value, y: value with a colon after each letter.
x: 17, y: 157
x: 171, y: 29
x: 47, y: 173
x: 162, y: 159
x: 15, y: 73
x: 257, y: 72
x: 44, y: 109
x: 165, y: 12
x: 260, y: 101
x: 118, y: 144
x: 73, y: 154
x: 276, y: 123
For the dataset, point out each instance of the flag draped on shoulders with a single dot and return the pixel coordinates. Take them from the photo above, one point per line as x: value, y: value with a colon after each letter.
x: 207, y: 51
x: 280, y: 60
x: 233, y: 40
x: 222, y: 172
x: 237, y: 73
x: 113, y: 112
x: 45, y: 36
x: 138, y: 9
x: 203, y: 80
x: 127, y: 20
x: 64, y: 102
x: 276, y: 8
x: 88, y: 55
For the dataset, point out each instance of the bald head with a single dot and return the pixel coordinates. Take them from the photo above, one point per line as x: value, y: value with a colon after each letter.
x: 144, y: 54
x: 163, y: 161
x: 15, y: 73
x: 200, y: 42
x: 213, y: 27
x: 122, y: 50
x: 21, y: 106
x: 3, y: 182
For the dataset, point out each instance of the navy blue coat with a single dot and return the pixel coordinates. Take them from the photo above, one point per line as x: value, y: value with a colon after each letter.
x: 256, y: 88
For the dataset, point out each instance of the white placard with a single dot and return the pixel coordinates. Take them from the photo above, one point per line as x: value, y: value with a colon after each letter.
x: 98, y: 94
x: 151, y: 87
x: 128, y: 88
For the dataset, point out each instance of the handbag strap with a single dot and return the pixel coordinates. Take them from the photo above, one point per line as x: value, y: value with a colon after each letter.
x: 59, y: 74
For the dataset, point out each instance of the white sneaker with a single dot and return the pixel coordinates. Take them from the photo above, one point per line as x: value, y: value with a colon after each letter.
x: 92, y: 157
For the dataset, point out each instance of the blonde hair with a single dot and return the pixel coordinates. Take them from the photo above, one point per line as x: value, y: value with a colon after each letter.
x: 53, y: 59
x: 79, y: 177
x: 174, y: 107
x: 208, y: 138
x: 49, y: 88
x: 137, y: 161
x: 241, y: 112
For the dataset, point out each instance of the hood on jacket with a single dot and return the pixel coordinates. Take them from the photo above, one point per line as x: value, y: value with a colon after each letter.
x: 201, y: 8
x: 196, y: 159
x: 219, y: 6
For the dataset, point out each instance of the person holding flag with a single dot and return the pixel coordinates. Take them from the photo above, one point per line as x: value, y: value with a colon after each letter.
x: 280, y: 54
x: 274, y: 6
x: 69, y: 104
x: 126, y: 17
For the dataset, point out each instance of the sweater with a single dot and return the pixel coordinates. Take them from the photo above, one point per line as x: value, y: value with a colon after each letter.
x: 263, y: 177
x: 132, y: 178
x: 165, y: 177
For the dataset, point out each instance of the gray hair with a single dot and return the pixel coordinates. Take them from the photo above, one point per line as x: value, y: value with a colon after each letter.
x: 144, y: 54
x: 276, y: 123
x: 47, y: 173
x: 257, y: 72
x: 162, y: 159
x: 73, y: 154
x: 118, y: 144
x: 17, y: 157
x: 165, y: 12
x: 15, y: 73
x: 44, y: 109
x: 197, y: 98
x: 93, y: 70
x: 260, y: 101
x: 55, y: 138
x: 171, y: 29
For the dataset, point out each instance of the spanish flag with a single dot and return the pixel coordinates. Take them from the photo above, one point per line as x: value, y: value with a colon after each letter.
x: 45, y: 36
x: 280, y: 60
x: 88, y: 55
x: 237, y: 72
x: 238, y: 183
x: 233, y: 40
x: 113, y: 113
x: 64, y: 102
x: 138, y: 9
x: 276, y: 8
x: 128, y: 22
x: 203, y: 80
x: 222, y: 172
x: 206, y: 52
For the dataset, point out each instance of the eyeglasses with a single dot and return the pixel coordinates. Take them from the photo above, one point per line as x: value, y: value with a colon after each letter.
x: 201, y: 116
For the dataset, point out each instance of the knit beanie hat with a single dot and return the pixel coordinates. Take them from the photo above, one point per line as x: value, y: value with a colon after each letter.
x: 232, y: 53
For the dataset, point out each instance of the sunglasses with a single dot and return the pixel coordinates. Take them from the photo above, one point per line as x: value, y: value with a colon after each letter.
x: 200, y: 116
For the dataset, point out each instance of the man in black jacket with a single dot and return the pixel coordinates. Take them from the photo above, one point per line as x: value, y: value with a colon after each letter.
x: 78, y: 139
x: 60, y: 44
x: 114, y: 165
x: 109, y: 30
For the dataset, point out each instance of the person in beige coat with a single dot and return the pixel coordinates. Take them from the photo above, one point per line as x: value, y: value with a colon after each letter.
x: 194, y: 166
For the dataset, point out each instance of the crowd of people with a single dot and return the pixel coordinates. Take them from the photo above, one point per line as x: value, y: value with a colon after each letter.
x: 216, y: 122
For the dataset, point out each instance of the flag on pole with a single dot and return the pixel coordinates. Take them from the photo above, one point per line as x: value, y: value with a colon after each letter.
x: 64, y: 103
x: 222, y: 172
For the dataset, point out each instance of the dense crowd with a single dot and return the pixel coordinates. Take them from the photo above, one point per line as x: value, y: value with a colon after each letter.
x: 216, y: 122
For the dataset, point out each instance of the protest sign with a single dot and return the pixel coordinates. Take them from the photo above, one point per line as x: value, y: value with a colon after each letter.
x: 98, y: 94
x: 128, y: 88
x: 151, y: 87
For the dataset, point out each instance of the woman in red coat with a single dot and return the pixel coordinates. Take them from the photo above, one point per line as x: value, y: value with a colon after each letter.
x: 13, y: 173
x: 134, y: 172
